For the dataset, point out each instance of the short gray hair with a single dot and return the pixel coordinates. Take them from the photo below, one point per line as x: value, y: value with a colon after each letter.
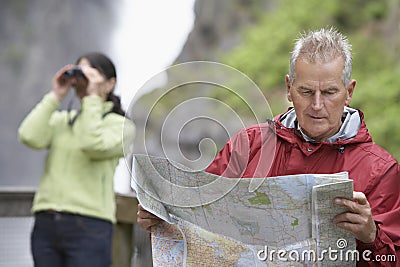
x: 323, y: 45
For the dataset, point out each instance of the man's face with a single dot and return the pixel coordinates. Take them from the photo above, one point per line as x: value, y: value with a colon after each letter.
x: 319, y: 96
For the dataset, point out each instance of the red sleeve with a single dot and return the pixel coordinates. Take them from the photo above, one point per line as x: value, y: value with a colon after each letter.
x: 384, y: 200
x: 231, y: 161
x: 221, y: 160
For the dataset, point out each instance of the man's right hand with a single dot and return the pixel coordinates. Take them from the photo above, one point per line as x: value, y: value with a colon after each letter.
x: 147, y: 220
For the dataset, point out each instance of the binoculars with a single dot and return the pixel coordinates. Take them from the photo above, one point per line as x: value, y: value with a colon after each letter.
x: 74, y: 73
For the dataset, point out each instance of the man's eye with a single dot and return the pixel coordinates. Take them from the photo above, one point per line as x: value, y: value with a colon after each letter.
x: 306, y: 93
x: 329, y: 92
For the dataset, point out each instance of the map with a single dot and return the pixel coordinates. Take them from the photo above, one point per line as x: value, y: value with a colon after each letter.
x: 216, y: 221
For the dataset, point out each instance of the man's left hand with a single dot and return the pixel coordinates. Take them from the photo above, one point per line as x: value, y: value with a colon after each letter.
x: 358, y: 219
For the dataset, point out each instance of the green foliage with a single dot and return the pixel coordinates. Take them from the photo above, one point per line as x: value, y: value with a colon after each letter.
x: 265, y: 50
x: 379, y: 96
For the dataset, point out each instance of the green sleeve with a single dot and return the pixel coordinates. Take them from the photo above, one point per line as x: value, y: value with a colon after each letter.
x: 102, y: 138
x: 35, y: 130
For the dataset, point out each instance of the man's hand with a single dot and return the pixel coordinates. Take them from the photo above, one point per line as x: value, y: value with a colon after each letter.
x: 147, y: 220
x: 358, y: 219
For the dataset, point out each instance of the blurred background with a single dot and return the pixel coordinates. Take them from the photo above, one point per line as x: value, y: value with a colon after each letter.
x: 144, y: 37
x: 39, y: 37
x: 256, y: 37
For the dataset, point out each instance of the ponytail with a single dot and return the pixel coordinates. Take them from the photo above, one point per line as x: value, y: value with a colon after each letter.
x: 117, y: 104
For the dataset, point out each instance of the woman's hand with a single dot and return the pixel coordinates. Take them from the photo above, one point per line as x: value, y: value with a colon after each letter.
x: 93, y: 83
x: 97, y: 83
x: 60, y: 84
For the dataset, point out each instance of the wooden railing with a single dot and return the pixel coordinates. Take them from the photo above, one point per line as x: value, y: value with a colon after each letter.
x: 16, y: 202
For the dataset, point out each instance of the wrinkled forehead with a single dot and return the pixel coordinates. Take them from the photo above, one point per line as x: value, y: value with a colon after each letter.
x: 319, y: 70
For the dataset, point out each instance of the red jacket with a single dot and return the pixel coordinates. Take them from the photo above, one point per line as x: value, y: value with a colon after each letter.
x: 271, y: 149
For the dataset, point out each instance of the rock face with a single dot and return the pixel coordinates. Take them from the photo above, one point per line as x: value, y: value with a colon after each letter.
x: 218, y: 26
x: 37, y: 38
x: 217, y: 29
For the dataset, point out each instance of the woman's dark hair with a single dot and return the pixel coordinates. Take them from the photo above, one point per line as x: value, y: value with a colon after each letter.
x: 103, y: 64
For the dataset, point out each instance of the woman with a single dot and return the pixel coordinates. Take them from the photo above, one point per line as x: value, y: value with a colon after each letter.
x: 74, y: 205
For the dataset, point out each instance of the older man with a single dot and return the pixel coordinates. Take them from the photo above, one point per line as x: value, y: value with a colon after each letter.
x: 322, y: 134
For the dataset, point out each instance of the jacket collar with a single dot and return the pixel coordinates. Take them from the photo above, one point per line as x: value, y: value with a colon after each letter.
x: 353, y: 129
x: 351, y: 123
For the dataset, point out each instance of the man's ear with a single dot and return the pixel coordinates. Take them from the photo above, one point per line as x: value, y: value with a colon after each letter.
x: 350, y: 91
x: 289, y: 97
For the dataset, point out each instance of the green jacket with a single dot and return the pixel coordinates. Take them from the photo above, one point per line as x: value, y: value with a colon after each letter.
x: 80, y: 165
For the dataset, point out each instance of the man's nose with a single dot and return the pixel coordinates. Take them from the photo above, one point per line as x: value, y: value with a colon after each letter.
x: 317, y: 101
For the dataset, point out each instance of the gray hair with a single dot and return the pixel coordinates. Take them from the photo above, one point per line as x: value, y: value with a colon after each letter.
x: 323, y: 45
